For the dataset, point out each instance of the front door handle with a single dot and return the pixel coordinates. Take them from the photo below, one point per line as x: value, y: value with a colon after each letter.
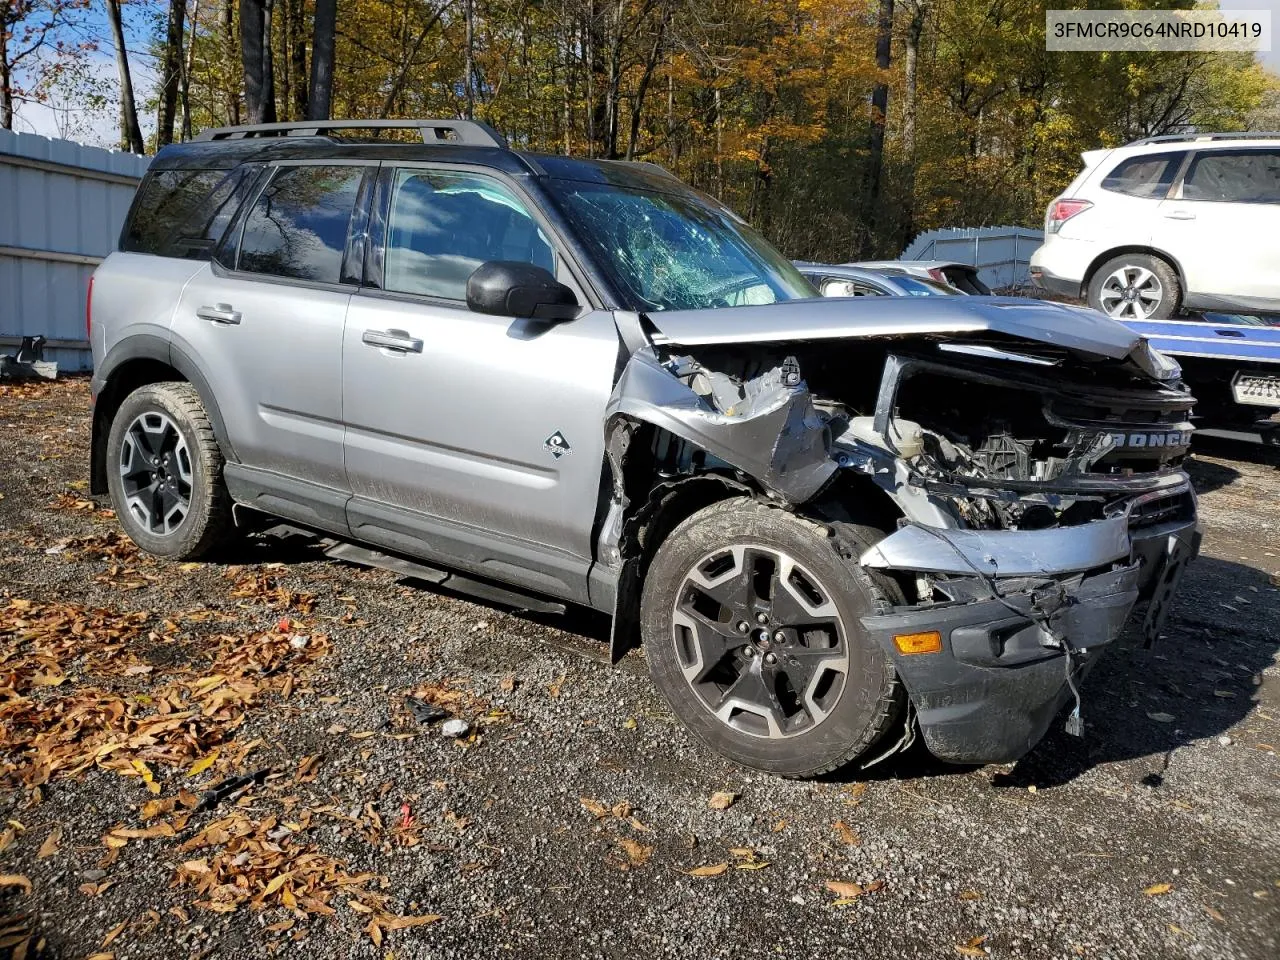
x: 1229, y: 333
x: 392, y: 340
x: 1180, y: 215
x: 219, y: 313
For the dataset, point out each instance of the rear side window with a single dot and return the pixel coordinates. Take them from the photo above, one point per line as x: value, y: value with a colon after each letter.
x: 1148, y: 176
x: 298, y: 225
x: 1234, y: 176
x: 166, y: 202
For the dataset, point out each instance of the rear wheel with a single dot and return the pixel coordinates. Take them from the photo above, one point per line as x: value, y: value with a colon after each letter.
x: 164, y: 473
x: 1135, y: 286
x: 750, y: 619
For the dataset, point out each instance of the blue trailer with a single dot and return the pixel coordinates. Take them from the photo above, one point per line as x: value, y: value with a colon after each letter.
x: 1231, y: 363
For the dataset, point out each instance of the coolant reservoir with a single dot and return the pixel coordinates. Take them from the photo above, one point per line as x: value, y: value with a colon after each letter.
x: 906, y: 435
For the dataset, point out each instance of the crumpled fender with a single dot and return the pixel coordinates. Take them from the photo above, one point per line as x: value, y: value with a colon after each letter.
x: 780, y: 441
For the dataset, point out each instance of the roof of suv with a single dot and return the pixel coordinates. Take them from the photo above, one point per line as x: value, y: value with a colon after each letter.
x: 229, y: 147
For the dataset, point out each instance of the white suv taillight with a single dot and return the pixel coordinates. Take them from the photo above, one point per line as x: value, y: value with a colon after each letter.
x: 1060, y: 211
x: 88, y: 311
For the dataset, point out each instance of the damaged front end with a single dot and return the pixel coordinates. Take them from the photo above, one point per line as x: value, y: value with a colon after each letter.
x: 1033, y: 471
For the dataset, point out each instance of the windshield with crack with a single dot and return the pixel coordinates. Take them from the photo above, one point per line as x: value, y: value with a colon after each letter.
x: 667, y: 251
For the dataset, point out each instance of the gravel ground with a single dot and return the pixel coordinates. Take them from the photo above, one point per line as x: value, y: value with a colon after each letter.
x: 567, y: 823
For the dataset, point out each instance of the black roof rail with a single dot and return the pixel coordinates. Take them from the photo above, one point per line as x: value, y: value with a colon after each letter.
x: 470, y: 133
x: 1188, y: 137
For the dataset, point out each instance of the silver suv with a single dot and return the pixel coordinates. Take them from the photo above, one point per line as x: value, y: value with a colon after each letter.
x: 833, y: 524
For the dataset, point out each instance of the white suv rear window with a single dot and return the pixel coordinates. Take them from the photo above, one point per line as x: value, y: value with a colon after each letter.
x: 1149, y: 175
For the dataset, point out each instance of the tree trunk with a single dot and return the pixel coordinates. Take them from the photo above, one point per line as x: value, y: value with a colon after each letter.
x: 255, y: 53
x: 232, y: 93
x: 468, y: 81
x: 320, y: 101
x: 295, y: 14
x: 130, y: 132
x: 642, y: 89
x: 915, y: 28
x: 170, y: 73
x: 6, y: 94
x: 188, y: 65
x: 879, y: 111
x: 402, y: 74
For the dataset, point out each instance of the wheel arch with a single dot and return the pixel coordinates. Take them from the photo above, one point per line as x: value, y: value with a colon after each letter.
x: 1146, y: 250
x: 133, y: 363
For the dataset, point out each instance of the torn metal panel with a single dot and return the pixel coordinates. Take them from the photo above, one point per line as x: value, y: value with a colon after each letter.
x: 1073, y: 328
x: 1005, y: 553
x: 770, y: 431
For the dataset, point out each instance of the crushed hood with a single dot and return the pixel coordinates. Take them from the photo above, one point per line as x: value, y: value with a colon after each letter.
x: 1072, y: 328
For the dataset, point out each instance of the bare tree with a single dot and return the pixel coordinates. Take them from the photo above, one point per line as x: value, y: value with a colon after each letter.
x: 170, y: 72
x: 255, y: 53
x: 919, y: 10
x: 26, y: 27
x: 879, y: 112
x: 321, y: 97
x: 130, y: 132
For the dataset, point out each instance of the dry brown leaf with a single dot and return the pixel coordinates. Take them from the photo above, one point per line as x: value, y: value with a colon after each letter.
x: 973, y: 948
x: 50, y: 845
x: 846, y: 834
x: 403, y: 923
x: 722, y: 800
x: 15, y: 880
x: 638, y: 854
x: 779, y: 826
x: 712, y: 870
x: 854, y: 791
x: 845, y: 890
x: 1157, y: 889
x: 969, y: 895
x: 113, y: 933
x: 1215, y: 914
x: 594, y: 807
x: 752, y: 865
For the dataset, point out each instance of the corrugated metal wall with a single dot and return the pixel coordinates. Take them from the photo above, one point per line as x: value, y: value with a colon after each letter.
x: 61, y: 208
x: 1001, y: 254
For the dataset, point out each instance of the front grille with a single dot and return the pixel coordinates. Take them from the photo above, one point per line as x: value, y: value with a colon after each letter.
x: 1167, y: 509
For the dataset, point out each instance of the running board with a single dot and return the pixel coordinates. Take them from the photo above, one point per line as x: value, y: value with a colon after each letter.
x: 507, y: 596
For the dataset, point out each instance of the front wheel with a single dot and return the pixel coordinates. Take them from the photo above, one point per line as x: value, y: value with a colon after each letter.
x: 164, y: 473
x: 1135, y: 286
x: 750, y: 620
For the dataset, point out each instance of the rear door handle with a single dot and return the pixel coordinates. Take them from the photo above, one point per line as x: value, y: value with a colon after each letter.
x: 219, y: 313
x: 1229, y: 333
x: 1180, y: 215
x: 392, y: 340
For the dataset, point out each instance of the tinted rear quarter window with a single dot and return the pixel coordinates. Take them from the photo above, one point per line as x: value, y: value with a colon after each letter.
x: 1234, y: 176
x: 1148, y: 176
x: 298, y: 224
x: 165, y: 203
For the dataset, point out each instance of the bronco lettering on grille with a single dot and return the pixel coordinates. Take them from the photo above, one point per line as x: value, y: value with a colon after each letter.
x: 1172, y: 438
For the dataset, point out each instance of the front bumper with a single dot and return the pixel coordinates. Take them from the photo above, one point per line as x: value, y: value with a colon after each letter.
x: 1000, y: 678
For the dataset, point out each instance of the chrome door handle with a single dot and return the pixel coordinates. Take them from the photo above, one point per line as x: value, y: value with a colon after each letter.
x: 392, y: 340
x: 219, y: 313
x: 1180, y: 215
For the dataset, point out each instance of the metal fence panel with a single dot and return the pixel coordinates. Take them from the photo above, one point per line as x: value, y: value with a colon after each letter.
x: 61, y: 208
x: 1001, y: 254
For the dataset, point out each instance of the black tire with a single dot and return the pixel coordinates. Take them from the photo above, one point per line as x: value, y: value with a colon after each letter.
x: 1110, y: 293
x: 206, y: 522
x: 855, y: 717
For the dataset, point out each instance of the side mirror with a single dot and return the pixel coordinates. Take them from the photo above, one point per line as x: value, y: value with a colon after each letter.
x: 508, y: 288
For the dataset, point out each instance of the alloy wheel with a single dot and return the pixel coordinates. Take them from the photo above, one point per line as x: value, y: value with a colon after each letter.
x: 1131, y: 292
x: 760, y: 641
x: 155, y: 473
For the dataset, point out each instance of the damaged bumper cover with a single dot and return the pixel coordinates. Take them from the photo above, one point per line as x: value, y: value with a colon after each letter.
x: 1027, y: 609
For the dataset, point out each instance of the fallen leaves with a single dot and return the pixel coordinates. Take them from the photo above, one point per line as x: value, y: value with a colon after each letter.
x: 722, y: 800
x: 973, y: 948
x: 846, y: 834
x: 15, y: 880
x: 638, y: 854
x: 847, y: 892
x: 51, y: 842
x: 1159, y: 717
x: 1158, y: 889
x: 711, y: 870
x: 202, y: 764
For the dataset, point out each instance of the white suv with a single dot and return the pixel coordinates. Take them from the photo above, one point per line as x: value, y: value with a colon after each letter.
x: 1169, y: 223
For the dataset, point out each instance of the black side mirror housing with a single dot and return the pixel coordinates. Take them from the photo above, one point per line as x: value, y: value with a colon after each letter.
x: 509, y: 288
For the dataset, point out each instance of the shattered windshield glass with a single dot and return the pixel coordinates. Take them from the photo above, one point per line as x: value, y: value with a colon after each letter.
x: 676, y: 252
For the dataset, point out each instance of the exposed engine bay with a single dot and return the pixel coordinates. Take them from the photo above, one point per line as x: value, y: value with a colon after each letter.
x: 1012, y: 436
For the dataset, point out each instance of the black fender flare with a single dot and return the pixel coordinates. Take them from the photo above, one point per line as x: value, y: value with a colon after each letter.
x: 147, y: 346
